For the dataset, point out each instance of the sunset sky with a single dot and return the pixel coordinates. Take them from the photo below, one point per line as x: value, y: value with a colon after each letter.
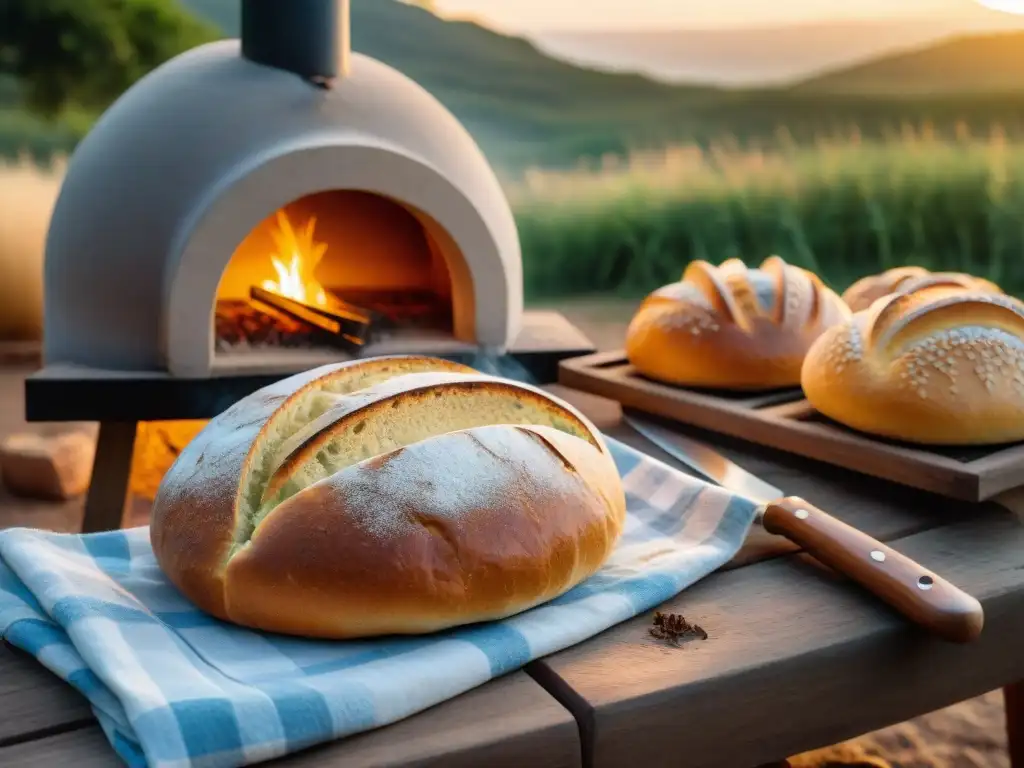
x: 515, y: 15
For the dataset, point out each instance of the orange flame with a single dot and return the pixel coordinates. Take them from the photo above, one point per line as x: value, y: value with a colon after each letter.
x: 295, y: 260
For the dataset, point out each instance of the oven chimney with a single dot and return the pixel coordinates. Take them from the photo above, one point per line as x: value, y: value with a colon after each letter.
x: 307, y: 37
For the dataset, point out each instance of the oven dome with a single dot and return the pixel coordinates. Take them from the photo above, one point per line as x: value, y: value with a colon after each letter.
x: 176, y: 173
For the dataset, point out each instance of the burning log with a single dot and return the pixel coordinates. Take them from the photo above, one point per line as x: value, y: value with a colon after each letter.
x: 402, y: 308
x: 343, y: 328
x: 270, y: 319
x: 337, y: 318
x: 243, y: 325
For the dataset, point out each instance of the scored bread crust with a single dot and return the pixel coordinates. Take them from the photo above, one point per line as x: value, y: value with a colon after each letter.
x: 939, y: 365
x: 195, y: 512
x: 732, y: 327
x: 400, y: 407
x: 866, y: 291
x: 280, y: 562
x: 465, y: 527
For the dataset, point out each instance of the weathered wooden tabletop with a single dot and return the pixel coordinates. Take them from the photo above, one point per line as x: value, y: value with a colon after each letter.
x: 796, y: 658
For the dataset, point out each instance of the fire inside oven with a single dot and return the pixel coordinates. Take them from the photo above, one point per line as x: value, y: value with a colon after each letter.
x: 333, y: 270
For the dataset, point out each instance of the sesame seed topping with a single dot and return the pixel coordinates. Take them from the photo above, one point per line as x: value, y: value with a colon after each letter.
x: 995, y: 355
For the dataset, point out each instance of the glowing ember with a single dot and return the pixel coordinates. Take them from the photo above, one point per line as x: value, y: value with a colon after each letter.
x: 295, y: 260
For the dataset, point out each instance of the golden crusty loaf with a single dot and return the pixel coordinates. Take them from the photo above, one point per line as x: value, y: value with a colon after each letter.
x: 937, y: 365
x: 863, y: 293
x: 387, y: 496
x: 732, y: 327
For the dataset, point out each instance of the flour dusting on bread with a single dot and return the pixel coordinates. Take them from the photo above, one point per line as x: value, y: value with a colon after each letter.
x: 417, y: 486
x: 846, y: 348
x: 994, y: 355
x: 864, y: 292
x: 732, y: 327
x: 306, y: 406
x: 396, y: 495
x: 401, y: 411
x: 935, y: 364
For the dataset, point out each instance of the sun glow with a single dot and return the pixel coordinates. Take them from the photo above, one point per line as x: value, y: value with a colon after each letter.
x: 294, y: 262
x: 1007, y: 6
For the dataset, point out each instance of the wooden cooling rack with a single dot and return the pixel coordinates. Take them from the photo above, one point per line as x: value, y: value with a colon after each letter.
x: 784, y: 420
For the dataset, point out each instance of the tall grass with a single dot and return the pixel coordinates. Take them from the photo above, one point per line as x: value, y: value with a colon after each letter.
x: 842, y: 208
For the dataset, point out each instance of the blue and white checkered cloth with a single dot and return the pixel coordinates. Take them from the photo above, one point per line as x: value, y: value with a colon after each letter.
x: 175, y: 688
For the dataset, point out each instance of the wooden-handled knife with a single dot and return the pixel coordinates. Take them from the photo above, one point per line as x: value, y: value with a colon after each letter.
x: 920, y: 595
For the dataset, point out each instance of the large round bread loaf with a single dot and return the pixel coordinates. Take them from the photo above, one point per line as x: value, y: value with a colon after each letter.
x: 731, y: 327
x: 936, y: 365
x: 387, y: 496
x: 863, y: 293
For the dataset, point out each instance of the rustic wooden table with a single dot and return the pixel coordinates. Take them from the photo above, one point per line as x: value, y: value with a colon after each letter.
x: 796, y: 658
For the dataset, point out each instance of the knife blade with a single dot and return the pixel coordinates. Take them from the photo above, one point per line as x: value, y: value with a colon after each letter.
x: 706, y: 461
x: 920, y: 595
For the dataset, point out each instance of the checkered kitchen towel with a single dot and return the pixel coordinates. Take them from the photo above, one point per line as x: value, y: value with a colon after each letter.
x: 174, y: 687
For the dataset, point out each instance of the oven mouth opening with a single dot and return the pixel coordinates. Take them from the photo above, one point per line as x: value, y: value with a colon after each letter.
x: 339, y: 274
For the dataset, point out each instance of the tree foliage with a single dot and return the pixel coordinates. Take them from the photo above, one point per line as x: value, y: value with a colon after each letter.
x: 85, y: 53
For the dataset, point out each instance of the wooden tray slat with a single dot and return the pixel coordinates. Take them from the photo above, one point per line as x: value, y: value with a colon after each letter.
x: 784, y: 420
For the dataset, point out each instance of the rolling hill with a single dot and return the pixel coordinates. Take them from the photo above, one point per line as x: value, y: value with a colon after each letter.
x: 977, y: 65
x: 760, y: 55
x: 747, y: 56
x: 515, y: 99
x: 526, y: 107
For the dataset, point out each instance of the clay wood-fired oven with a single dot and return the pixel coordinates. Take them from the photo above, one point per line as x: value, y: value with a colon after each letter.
x: 255, y: 208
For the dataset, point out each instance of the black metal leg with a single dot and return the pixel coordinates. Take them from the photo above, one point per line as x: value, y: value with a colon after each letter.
x: 108, y: 488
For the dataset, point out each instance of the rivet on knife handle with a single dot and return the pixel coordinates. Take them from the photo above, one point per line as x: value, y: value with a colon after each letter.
x: 917, y: 593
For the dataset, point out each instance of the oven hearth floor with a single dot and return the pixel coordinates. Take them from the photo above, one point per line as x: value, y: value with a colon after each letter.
x: 287, y: 360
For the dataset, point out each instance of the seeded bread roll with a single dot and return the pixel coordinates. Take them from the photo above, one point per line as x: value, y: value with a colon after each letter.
x: 863, y: 293
x: 938, y: 365
x: 732, y: 327
x: 388, y: 496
